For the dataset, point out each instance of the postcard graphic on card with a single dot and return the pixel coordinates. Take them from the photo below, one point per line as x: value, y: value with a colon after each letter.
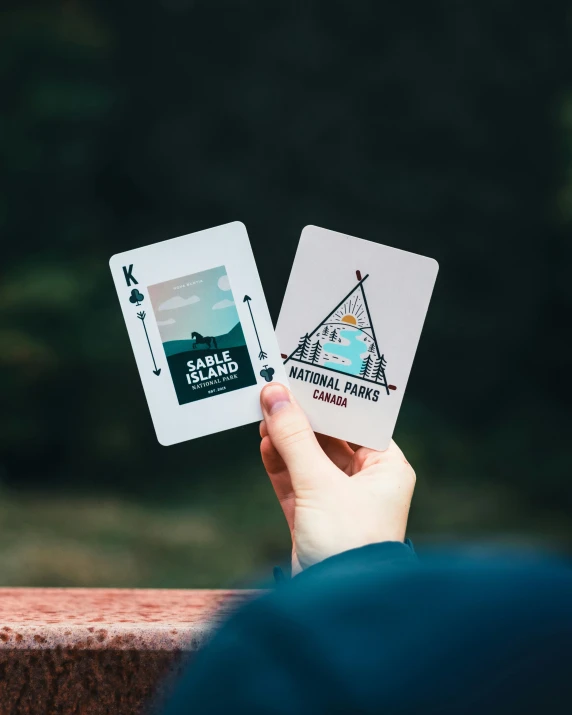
x: 213, y: 357
x: 200, y: 330
x: 349, y: 328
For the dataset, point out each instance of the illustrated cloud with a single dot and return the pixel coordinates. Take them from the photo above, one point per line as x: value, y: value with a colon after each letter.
x: 223, y: 304
x: 223, y: 283
x: 166, y: 322
x: 178, y: 302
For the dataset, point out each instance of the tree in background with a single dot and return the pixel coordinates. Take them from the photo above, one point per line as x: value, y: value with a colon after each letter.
x: 127, y: 136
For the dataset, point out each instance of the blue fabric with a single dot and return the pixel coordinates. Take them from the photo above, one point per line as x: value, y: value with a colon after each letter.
x: 374, y: 630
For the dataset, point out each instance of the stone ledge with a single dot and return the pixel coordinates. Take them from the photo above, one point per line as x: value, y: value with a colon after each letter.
x: 70, y: 650
x: 120, y: 619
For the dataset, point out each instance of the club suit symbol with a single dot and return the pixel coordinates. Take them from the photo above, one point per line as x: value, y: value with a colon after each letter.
x: 136, y: 297
x: 267, y: 373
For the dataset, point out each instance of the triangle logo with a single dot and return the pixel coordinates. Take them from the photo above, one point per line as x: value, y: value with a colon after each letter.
x: 345, y: 341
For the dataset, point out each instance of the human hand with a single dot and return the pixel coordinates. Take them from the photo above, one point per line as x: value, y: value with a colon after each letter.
x: 334, y: 496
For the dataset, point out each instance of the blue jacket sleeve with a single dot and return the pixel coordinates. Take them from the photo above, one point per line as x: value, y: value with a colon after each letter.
x: 256, y: 662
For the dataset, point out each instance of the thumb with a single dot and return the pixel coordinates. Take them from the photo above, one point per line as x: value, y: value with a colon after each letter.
x: 293, y: 437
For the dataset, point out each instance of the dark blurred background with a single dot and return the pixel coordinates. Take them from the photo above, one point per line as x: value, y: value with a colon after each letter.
x: 443, y: 128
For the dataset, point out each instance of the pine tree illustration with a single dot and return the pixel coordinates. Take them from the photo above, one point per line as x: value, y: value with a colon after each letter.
x: 365, y: 366
x: 334, y: 336
x: 377, y: 371
x: 307, y: 347
x: 380, y: 371
x: 302, y: 348
x: 326, y: 331
x: 298, y: 351
x: 371, y: 348
x: 373, y: 365
x: 315, y: 352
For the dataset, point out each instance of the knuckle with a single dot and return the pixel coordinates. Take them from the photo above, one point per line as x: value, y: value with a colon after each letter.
x: 295, y: 436
x: 409, y: 474
x: 399, y: 462
x: 290, y: 432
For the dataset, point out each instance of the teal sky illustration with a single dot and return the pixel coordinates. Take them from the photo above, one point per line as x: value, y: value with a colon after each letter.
x: 202, y: 302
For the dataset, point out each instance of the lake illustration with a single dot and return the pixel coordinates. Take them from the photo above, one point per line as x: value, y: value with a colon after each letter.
x: 346, y: 355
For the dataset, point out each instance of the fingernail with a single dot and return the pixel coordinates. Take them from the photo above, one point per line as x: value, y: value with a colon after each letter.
x: 274, y: 398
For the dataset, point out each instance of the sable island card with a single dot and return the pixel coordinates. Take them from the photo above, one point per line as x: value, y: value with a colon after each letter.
x: 200, y: 330
x: 348, y: 331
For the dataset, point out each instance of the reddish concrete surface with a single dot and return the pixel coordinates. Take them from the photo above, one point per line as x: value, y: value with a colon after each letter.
x: 93, y: 651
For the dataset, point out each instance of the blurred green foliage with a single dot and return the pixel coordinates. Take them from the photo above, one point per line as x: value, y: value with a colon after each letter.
x: 441, y: 128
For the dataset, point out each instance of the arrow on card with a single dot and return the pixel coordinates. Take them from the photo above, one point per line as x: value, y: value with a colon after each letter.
x: 142, y: 315
x: 261, y: 355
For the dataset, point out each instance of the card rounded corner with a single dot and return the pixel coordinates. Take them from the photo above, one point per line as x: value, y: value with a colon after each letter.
x: 387, y: 444
x: 162, y: 442
x: 240, y: 224
x: 115, y: 260
x: 435, y: 263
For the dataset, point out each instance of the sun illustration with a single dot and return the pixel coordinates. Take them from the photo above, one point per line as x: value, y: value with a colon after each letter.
x: 353, y: 312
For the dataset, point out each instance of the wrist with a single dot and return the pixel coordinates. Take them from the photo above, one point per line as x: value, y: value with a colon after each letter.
x: 372, y: 557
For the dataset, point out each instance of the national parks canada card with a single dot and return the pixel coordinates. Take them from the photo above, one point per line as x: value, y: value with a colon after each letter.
x: 348, y: 330
x: 201, y: 334
x: 200, y: 330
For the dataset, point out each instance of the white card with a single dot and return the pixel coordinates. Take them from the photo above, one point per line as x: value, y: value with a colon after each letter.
x: 348, y: 331
x: 200, y: 329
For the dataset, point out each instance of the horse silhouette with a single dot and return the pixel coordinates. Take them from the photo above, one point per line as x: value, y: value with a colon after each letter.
x: 210, y: 342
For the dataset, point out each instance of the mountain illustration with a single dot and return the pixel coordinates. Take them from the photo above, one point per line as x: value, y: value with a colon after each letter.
x: 233, y: 339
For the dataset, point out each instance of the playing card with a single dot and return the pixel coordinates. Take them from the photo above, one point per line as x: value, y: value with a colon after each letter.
x: 200, y: 330
x: 348, y: 331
